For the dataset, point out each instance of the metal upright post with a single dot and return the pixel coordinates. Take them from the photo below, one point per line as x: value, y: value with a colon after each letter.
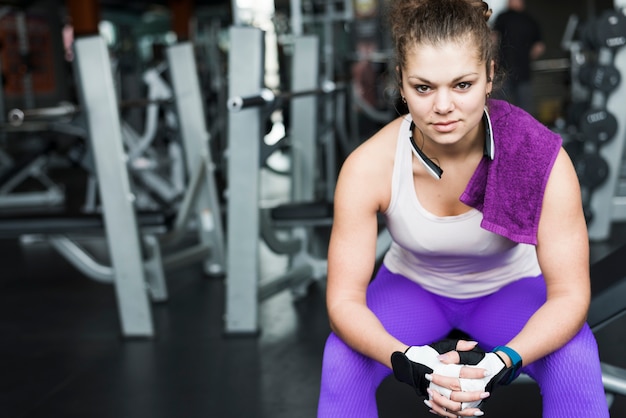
x: 24, y: 50
x: 94, y: 79
x: 296, y: 17
x: 304, y: 118
x: 192, y: 125
x: 245, y: 66
x: 3, y: 157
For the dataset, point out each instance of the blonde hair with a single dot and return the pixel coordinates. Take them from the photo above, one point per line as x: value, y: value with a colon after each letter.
x: 432, y: 22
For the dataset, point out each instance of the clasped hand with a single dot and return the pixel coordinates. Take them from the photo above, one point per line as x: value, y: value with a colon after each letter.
x: 454, y: 375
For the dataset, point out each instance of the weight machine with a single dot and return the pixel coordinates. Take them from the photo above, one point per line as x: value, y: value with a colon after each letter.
x: 135, y: 240
x: 308, y: 207
x: 32, y: 167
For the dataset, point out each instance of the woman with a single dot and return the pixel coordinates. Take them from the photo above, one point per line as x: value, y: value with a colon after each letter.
x: 489, y: 237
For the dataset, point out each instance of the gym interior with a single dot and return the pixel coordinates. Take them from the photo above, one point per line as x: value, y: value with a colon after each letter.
x: 167, y: 170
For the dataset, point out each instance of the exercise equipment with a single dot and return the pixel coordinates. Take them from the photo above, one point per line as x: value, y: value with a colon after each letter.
x: 609, y: 30
x: 592, y: 170
x: 269, y: 98
x: 243, y: 290
x: 135, y: 241
x: 608, y: 283
x: 93, y: 74
x: 30, y: 167
x: 17, y: 116
x: 601, y: 77
x: 603, y: 204
x: 598, y: 125
x: 353, y: 49
x: 307, y: 207
x: 596, y: 130
x: 157, y: 185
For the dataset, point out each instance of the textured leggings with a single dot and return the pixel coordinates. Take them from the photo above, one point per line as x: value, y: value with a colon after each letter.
x: 569, y: 379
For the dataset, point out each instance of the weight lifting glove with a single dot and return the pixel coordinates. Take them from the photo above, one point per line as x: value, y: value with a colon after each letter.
x: 411, y: 366
x: 497, y: 373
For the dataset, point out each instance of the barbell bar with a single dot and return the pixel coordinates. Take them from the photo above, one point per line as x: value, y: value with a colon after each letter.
x: 16, y: 116
x: 267, y: 96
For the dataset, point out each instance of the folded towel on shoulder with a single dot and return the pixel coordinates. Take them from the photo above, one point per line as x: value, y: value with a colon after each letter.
x: 509, y: 189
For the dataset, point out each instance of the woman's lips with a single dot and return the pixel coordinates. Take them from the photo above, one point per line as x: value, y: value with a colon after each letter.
x: 447, y: 126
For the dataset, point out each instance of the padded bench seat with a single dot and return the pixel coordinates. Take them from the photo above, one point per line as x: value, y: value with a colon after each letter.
x: 13, y: 226
x: 317, y: 213
x: 303, y: 211
x: 608, y: 305
x: 608, y: 285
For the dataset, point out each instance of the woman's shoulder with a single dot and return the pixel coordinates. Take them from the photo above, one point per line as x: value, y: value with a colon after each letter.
x: 514, y: 126
x: 369, y: 167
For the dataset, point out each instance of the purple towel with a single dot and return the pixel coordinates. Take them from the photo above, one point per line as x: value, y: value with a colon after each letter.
x: 509, y: 190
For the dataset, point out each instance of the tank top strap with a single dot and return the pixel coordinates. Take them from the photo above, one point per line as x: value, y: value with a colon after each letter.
x: 402, y: 163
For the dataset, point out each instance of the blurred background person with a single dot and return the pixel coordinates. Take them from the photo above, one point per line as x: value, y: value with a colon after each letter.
x: 520, y: 42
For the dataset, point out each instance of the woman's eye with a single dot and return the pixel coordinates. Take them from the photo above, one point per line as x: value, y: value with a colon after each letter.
x: 422, y: 88
x: 464, y: 85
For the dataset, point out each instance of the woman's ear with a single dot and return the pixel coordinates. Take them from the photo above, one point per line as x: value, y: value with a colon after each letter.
x: 490, y: 76
x: 399, y: 78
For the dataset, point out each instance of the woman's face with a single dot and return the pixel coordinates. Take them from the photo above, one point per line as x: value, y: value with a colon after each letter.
x: 445, y: 87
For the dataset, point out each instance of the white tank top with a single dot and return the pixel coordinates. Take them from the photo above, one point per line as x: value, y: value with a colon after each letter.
x: 448, y: 255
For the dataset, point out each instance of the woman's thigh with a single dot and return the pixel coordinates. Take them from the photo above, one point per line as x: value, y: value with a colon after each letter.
x: 406, y: 310
x: 497, y: 318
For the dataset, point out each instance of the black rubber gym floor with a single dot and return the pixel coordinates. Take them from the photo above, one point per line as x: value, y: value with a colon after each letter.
x: 62, y: 354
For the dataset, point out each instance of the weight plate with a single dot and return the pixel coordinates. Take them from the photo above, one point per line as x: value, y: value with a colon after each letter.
x: 610, y: 30
x: 605, y: 78
x: 592, y: 170
x: 598, y: 125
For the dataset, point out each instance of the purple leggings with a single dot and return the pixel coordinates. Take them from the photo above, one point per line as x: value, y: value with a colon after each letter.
x: 570, y: 379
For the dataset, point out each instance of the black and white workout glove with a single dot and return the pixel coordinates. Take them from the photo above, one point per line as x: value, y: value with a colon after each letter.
x: 497, y: 373
x: 411, y: 366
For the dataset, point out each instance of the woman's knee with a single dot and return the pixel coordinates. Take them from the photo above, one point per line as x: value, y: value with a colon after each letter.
x: 571, y: 379
x: 576, y: 361
x: 349, y: 382
x: 342, y: 366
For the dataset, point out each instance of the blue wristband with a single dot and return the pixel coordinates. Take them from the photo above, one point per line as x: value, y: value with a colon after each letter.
x: 516, y: 360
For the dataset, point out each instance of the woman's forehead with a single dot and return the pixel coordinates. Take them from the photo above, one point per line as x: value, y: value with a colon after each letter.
x: 466, y: 45
x: 443, y: 55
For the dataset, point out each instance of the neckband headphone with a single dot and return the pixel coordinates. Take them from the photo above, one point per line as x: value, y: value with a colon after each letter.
x: 437, y: 171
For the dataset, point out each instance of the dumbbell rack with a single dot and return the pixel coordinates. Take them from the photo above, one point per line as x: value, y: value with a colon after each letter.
x: 605, y: 204
x: 598, y: 67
